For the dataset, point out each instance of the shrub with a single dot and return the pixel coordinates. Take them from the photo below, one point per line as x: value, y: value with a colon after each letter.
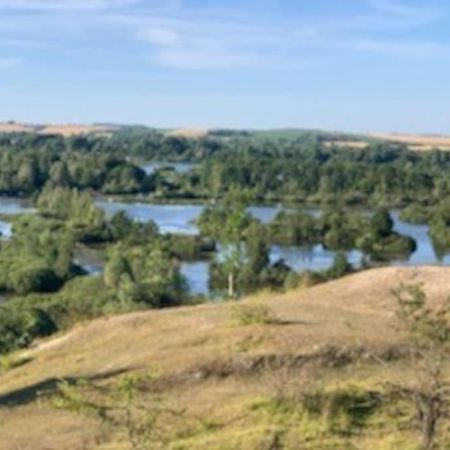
x: 19, y: 328
x: 36, y: 279
x: 244, y: 314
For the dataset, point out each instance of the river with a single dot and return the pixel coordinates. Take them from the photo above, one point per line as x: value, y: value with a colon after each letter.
x: 181, y: 219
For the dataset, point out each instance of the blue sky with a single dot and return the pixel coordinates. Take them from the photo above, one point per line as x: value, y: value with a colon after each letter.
x: 356, y: 65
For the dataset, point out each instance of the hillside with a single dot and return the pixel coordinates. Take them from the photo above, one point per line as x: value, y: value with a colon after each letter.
x: 210, y: 368
x: 415, y: 142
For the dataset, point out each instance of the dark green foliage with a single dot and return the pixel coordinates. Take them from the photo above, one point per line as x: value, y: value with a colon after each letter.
x: 340, y: 267
x: 122, y: 228
x: 381, y: 224
x: 38, y: 258
x: 416, y: 214
x: 296, y: 228
x: 440, y: 226
x: 144, y: 274
x: 18, y: 328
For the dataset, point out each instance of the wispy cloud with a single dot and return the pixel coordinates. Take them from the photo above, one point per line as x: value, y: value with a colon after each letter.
x: 181, y: 36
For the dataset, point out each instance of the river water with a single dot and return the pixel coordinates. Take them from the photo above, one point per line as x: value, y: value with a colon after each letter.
x: 181, y: 219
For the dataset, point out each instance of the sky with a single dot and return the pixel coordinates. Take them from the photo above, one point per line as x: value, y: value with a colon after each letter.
x: 350, y: 65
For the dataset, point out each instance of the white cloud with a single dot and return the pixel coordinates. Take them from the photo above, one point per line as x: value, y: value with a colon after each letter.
x: 184, y: 37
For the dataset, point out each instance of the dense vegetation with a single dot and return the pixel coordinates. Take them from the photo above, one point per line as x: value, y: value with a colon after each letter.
x: 298, y: 169
x: 230, y: 170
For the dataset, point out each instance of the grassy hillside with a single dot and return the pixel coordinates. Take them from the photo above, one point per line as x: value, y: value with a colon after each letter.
x: 317, y: 375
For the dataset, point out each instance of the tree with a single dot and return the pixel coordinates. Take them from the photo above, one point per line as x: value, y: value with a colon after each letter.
x: 227, y: 222
x: 145, y: 274
x: 340, y: 266
x: 381, y: 223
x: 429, y: 331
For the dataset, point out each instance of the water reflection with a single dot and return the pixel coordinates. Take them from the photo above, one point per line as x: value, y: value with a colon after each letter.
x: 181, y: 219
x: 197, y: 276
x: 5, y: 230
x: 169, y: 218
x: 181, y: 168
x: 14, y: 206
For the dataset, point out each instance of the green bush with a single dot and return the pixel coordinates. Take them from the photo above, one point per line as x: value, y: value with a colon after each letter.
x: 244, y: 314
x: 19, y: 327
x: 35, y: 279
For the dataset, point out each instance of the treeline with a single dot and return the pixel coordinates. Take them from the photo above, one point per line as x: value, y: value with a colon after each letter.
x: 300, y: 169
x: 380, y: 175
x: 28, y: 164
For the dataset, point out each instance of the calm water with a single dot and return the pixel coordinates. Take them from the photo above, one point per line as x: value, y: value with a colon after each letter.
x: 11, y: 206
x: 196, y: 274
x: 178, y: 167
x: 169, y: 218
x: 14, y: 206
x: 181, y: 219
x: 5, y: 230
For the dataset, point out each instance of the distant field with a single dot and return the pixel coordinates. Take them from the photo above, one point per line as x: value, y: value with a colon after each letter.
x: 63, y: 129
x: 416, y: 142
x: 190, y: 133
x: 73, y: 130
x: 16, y: 128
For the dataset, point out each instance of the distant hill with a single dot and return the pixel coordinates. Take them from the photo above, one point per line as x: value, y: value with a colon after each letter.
x: 415, y: 142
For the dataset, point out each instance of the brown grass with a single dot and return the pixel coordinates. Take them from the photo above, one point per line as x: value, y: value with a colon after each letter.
x: 197, y: 351
x: 73, y: 130
x: 190, y: 133
x: 416, y: 142
x: 16, y: 128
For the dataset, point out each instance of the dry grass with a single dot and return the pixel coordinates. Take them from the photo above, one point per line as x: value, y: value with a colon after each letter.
x: 66, y: 130
x: 16, y: 128
x: 190, y: 133
x: 416, y: 142
x: 196, y: 350
x: 73, y: 130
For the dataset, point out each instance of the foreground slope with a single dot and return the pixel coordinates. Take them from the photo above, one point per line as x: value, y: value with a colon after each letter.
x: 210, y: 367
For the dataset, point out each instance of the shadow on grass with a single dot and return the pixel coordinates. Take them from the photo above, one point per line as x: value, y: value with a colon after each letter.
x: 29, y: 394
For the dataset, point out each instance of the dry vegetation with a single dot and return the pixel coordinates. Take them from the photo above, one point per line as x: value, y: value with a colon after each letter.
x: 216, y: 371
x: 415, y: 141
x: 66, y: 130
x: 190, y: 133
x: 73, y: 130
x: 12, y: 127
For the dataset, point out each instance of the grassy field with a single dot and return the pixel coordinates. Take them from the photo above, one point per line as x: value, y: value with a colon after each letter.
x: 415, y: 142
x: 236, y: 384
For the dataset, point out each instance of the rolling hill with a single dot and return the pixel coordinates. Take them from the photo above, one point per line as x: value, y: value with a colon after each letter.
x: 221, y: 373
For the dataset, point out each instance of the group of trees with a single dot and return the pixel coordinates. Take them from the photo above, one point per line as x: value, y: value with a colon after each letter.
x: 38, y: 259
x: 301, y: 168
x: 26, y: 166
x: 341, y: 230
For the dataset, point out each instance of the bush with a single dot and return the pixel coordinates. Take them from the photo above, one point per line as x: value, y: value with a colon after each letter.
x: 251, y: 314
x: 18, y: 328
x: 37, y: 279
